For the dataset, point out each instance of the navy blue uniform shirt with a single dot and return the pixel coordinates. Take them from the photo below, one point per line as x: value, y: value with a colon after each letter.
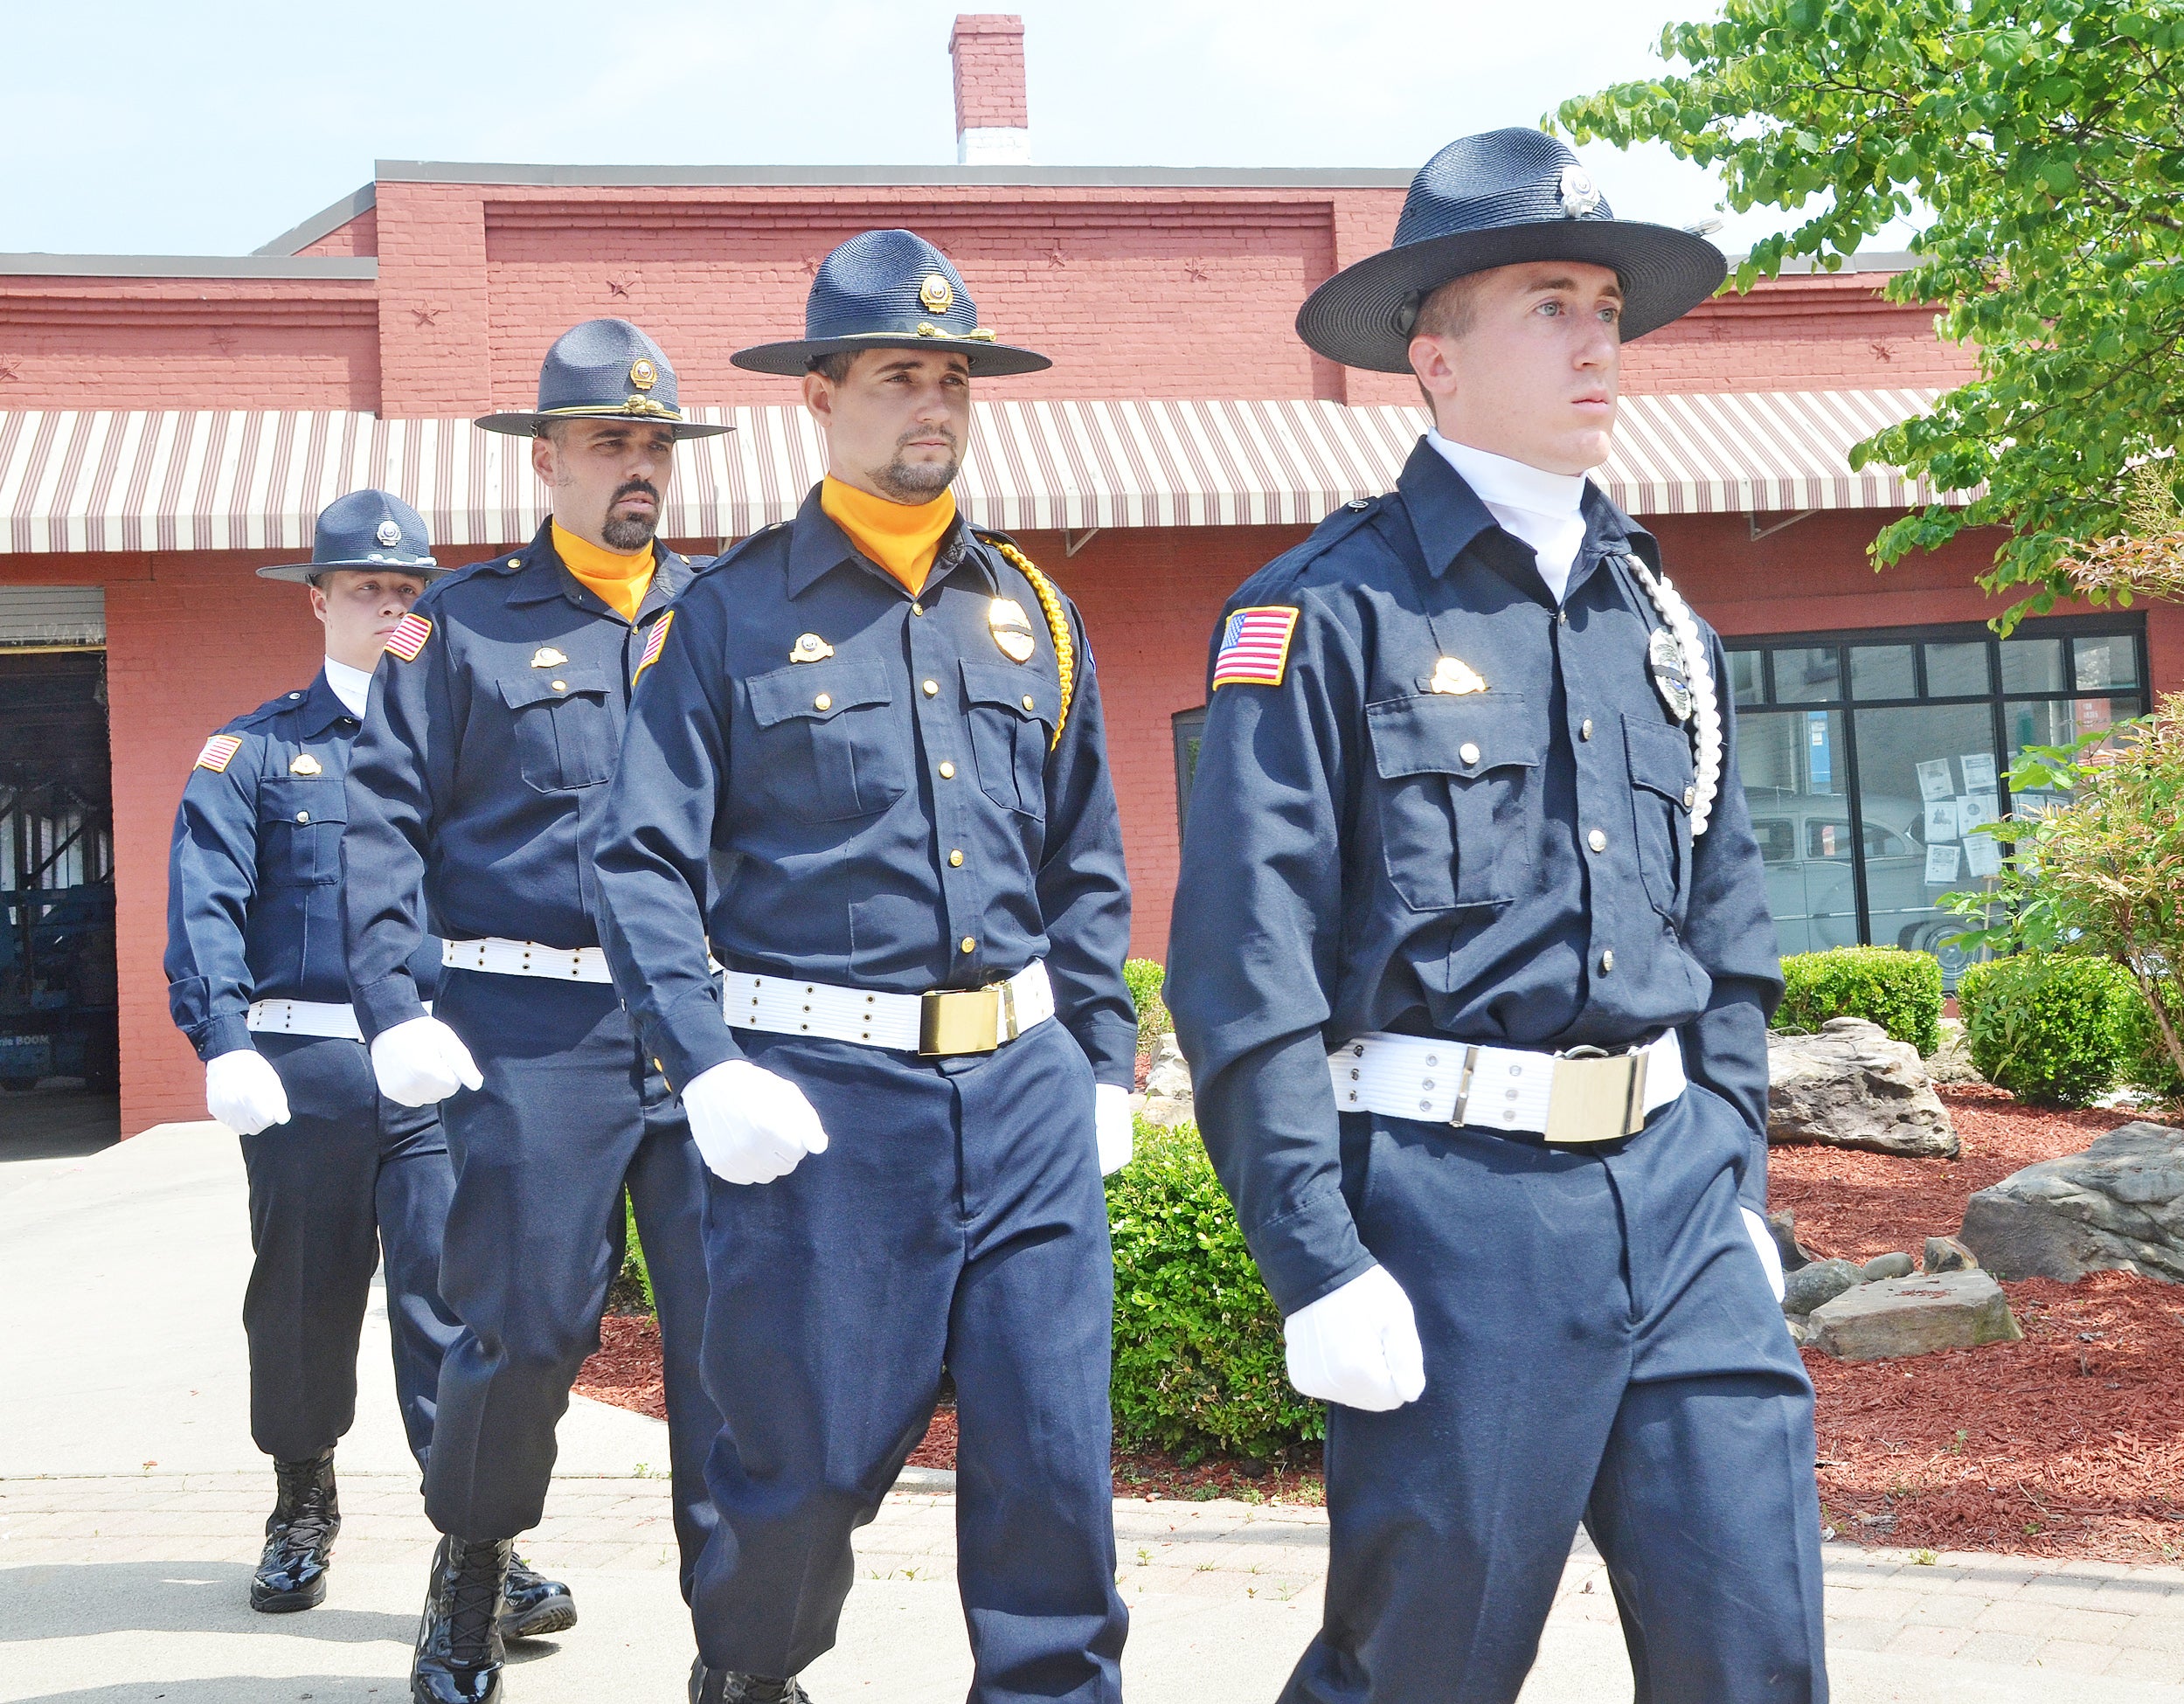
x: 857, y: 818
x: 254, y: 879
x: 483, y: 765
x: 1363, y: 853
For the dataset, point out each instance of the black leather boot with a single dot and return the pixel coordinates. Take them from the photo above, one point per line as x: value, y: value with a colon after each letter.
x: 534, y: 1606
x: 725, y: 1685
x: 459, y: 1649
x: 299, y: 1537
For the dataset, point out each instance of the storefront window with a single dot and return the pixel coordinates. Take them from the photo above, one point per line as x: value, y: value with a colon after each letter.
x: 1864, y: 808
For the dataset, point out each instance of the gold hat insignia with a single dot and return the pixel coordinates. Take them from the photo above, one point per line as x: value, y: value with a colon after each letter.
x: 643, y: 374
x: 1012, y: 630
x: 937, y: 293
x: 1455, y: 677
x: 303, y: 763
x: 546, y: 657
x: 810, y: 647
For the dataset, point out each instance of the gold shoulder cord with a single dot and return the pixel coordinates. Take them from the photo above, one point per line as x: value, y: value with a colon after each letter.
x: 1057, y: 624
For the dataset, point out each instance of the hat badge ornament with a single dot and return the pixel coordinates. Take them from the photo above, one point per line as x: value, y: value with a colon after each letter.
x: 937, y: 293
x: 388, y: 533
x: 643, y: 374
x: 1578, y: 194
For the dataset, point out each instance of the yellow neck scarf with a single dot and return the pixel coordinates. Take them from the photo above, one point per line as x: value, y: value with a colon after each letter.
x: 621, y: 581
x: 902, y: 537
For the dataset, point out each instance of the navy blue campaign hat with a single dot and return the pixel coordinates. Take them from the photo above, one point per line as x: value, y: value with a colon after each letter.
x: 1496, y: 200
x: 603, y: 370
x: 890, y: 289
x: 363, y: 529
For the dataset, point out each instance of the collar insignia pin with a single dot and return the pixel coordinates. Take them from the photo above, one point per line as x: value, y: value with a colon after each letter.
x: 1011, y: 629
x: 303, y: 763
x: 1456, y: 677
x: 1664, y: 657
x: 810, y: 647
x: 546, y: 657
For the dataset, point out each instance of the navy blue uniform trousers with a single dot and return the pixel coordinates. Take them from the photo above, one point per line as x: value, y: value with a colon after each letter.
x: 956, y: 1220
x: 350, y: 1175
x: 569, y: 1116
x: 1601, y: 1345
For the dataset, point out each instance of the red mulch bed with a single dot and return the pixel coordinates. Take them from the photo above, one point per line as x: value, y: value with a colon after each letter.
x: 627, y: 1372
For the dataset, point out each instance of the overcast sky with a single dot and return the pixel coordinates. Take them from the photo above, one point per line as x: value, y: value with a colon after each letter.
x: 134, y: 127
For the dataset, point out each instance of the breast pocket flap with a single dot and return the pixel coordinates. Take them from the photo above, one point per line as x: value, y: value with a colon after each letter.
x: 1448, y: 734
x: 817, y: 692
x: 1018, y: 690
x: 540, y: 686
x: 303, y: 802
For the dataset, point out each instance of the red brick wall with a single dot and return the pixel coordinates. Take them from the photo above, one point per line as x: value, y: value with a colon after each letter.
x: 360, y: 237
x: 987, y: 49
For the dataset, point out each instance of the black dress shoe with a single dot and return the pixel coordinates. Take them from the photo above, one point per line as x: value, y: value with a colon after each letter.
x: 459, y: 1649
x: 534, y: 1606
x: 727, y: 1685
x: 299, y: 1537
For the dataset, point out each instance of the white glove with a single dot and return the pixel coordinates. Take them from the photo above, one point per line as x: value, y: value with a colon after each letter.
x: 422, y: 1061
x: 1358, y: 1346
x: 243, y: 1091
x: 1110, y: 1124
x: 752, y: 1125
x: 1770, y: 1256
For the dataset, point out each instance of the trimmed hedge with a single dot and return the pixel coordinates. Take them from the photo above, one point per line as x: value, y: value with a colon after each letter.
x: 1899, y: 990
x: 2147, y: 1062
x: 2053, y: 1028
x: 1198, y: 1362
x: 1146, y: 977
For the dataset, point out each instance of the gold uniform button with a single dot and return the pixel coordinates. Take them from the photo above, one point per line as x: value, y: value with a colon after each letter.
x: 560, y: 686
x: 1607, y: 961
x: 303, y: 816
x: 956, y: 861
x: 948, y: 772
x: 1585, y: 729
x: 1027, y: 705
x: 917, y: 609
x: 969, y: 945
x: 1689, y: 794
x: 1468, y: 753
x: 929, y: 686
x: 824, y: 700
x: 1596, y: 840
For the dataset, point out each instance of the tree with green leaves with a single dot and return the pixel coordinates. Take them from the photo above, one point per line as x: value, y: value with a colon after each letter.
x: 2041, y: 143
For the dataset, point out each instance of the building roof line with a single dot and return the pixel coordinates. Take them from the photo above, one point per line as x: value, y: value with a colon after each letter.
x: 933, y: 176
x: 188, y: 266
x: 323, y: 223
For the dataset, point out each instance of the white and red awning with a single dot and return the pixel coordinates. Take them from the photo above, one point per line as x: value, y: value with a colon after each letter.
x: 214, y: 479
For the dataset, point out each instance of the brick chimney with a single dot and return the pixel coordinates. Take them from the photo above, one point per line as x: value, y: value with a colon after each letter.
x: 992, y: 122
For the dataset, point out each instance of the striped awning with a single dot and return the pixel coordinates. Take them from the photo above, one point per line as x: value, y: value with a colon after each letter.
x: 212, y: 480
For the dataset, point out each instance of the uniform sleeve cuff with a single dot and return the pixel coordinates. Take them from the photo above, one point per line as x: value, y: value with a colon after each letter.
x: 1111, y: 1045
x: 690, y: 1037
x: 383, y: 1004
x: 228, y: 1033
x: 1309, y: 1253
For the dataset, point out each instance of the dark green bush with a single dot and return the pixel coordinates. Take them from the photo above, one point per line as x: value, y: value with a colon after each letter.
x: 2148, y: 1065
x: 1146, y: 977
x: 1198, y: 1347
x: 2051, y: 1028
x: 635, y: 1272
x: 1899, y: 990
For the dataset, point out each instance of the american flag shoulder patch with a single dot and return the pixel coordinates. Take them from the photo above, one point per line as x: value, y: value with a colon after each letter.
x: 219, y: 752
x: 409, y: 636
x: 1255, y: 645
x: 655, y: 642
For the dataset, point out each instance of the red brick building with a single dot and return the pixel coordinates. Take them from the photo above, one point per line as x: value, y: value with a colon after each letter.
x: 168, y: 423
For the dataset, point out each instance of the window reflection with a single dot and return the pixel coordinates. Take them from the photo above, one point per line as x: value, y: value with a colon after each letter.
x: 1807, y: 677
x: 1882, y: 671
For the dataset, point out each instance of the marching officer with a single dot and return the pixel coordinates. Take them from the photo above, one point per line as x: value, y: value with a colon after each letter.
x: 869, y: 771
x: 257, y: 981
x: 1472, y: 960
x: 482, y: 776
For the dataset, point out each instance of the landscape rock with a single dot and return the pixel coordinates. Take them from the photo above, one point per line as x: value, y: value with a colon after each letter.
x: 1885, y: 1266
x: 1811, y: 1286
x: 1946, y: 1254
x: 1851, y: 1087
x: 1951, y: 1061
x: 1914, y: 1316
x: 2116, y: 1207
x: 1783, y: 1226
x: 1168, y: 1085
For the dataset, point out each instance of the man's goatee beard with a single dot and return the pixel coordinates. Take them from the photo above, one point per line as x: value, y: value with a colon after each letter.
x: 628, y: 534
x: 908, y: 484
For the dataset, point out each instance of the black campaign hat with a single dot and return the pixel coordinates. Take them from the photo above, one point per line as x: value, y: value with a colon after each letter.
x: 603, y: 370
x: 890, y: 289
x: 363, y: 529
x: 1496, y: 200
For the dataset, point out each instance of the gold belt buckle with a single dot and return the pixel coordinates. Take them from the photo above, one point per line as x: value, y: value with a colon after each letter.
x: 1596, y: 1096
x: 956, y: 1020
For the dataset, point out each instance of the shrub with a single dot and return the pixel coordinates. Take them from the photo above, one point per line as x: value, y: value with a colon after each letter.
x: 1146, y: 977
x: 2050, y: 1028
x: 1899, y: 990
x: 635, y: 1272
x: 2148, y: 1065
x: 1198, y: 1346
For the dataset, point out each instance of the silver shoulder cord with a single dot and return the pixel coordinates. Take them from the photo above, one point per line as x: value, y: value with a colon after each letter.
x: 1706, y: 706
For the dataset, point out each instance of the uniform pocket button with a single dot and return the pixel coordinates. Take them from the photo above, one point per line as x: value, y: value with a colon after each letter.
x: 929, y: 688
x: 1468, y: 753
x: 823, y: 701
x: 303, y: 816
x: 948, y: 772
x: 1596, y: 840
x: 1027, y: 705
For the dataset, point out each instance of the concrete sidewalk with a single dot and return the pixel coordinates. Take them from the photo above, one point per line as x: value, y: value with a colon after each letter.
x: 124, y: 1581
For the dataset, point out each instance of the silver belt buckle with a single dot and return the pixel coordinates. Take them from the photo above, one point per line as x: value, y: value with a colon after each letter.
x: 1596, y: 1096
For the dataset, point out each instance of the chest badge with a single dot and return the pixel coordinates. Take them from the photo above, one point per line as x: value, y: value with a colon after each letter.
x: 1011, y: 629
x: 303, y: 763
x: 809, y: 647
x: 1455, y: 677
x: 1671, y: 679
x: 546, y: 657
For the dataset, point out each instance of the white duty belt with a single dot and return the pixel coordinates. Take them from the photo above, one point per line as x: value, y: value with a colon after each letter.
x: 500, y: 958
x: 940, y: 1024
x: 1575, y: 1098
x: 306, y: 1017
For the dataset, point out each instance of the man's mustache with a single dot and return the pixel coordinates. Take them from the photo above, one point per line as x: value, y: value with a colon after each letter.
x: 633, y: 486
x: 911, y: 437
